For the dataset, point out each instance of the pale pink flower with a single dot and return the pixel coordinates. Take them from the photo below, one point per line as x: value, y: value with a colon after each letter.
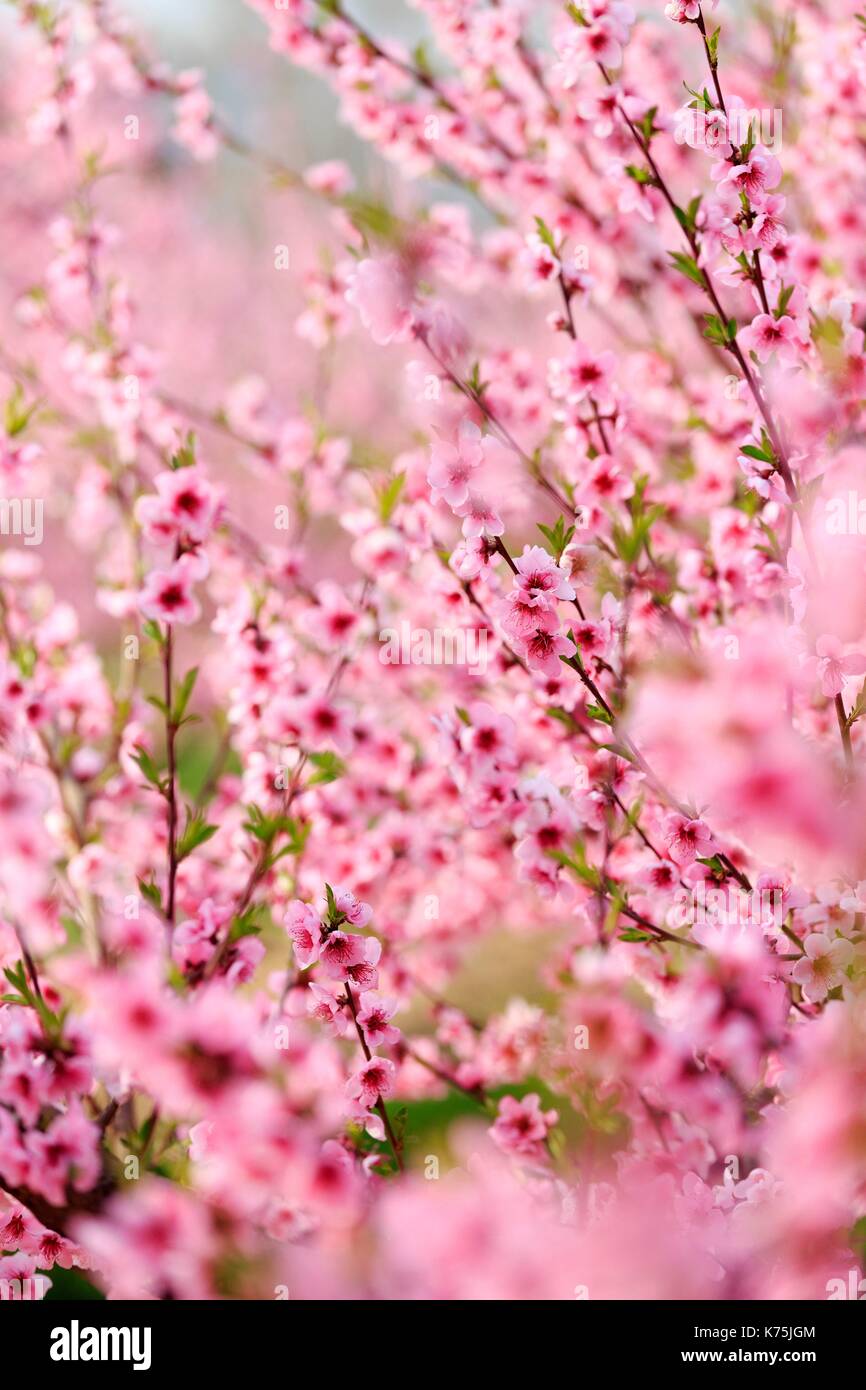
x: 332, y: 177
x: 356, y: 912
x: 823, y: 966
x: 479, y: 517
x: 379, y: 291
x: 325, y: 1008
x: 452, y: 465
x: 833, y: 666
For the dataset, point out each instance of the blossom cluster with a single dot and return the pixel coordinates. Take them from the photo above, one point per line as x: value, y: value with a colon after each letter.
x: 334, y: 977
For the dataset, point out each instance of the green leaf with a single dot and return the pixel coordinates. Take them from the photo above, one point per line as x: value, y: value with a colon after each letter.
x: 390, y: 496
x: 688, y: 217
x: 715, y: 864
x: 546, y: 235
x: 564, y: 717
x: 151, y: 893
x: 182, y: 695
x: 639, y: 175
x: 597, y: 712
x: 556, y: 536
x: 474, y: 382
x: 185, y: 456
x: 719, y: 333
x: 329, y: 766
x: 646, y: 124
x: 753, y: 452
x: 333, y: 914
x: 148, y: 766
x: 18, y: 414
x: 246, y: 925
x: 196, y: 832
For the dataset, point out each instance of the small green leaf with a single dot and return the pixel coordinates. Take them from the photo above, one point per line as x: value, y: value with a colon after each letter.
x: 597, y: 712
x: 546, y: 235
x: 182, y: 695
x: 151, y: 893
x: 185, y: 456
x: 196, y: 832
x: 147, y: 766
x: 390, y: 496
x: 329, y: 766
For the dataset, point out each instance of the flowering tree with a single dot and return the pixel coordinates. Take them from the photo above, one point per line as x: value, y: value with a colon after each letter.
x: 432, y: 770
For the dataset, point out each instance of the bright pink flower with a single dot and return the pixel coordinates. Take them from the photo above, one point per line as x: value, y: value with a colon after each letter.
x: 766, y: 335
x: 167, y: 595
x: 65, y: 1155
x: 521, y: 1127
x: 335, y: 619
x: 186, y: 505
x: 542, y: 649
x: 538, y: 576
x: 754, y: 176
x: 374, y: 1017
x: 371, y: 1082
x: 683, y: 11
x: 339, y: 952
x: 582, y: 373
x: 305, y: 929
x: 688, y: 840
x: 490, y: 737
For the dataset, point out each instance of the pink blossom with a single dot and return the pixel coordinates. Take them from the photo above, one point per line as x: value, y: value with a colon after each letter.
x: 452, y: 465
x: 823, y: 966
x: 521, y: 1126
x: 688, y: 840
x: 582, y: 372
x: 833, y: 666
x: 479, y: 518
x: 766, y: 335
x: 339, y: 952
x: 373, y: 1015
x: 305, y: 929
x: 379, y: 292
x: 538, y: 577
x: 65, y: 1155
x: 167, y: 595
x: 371, y: 1082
